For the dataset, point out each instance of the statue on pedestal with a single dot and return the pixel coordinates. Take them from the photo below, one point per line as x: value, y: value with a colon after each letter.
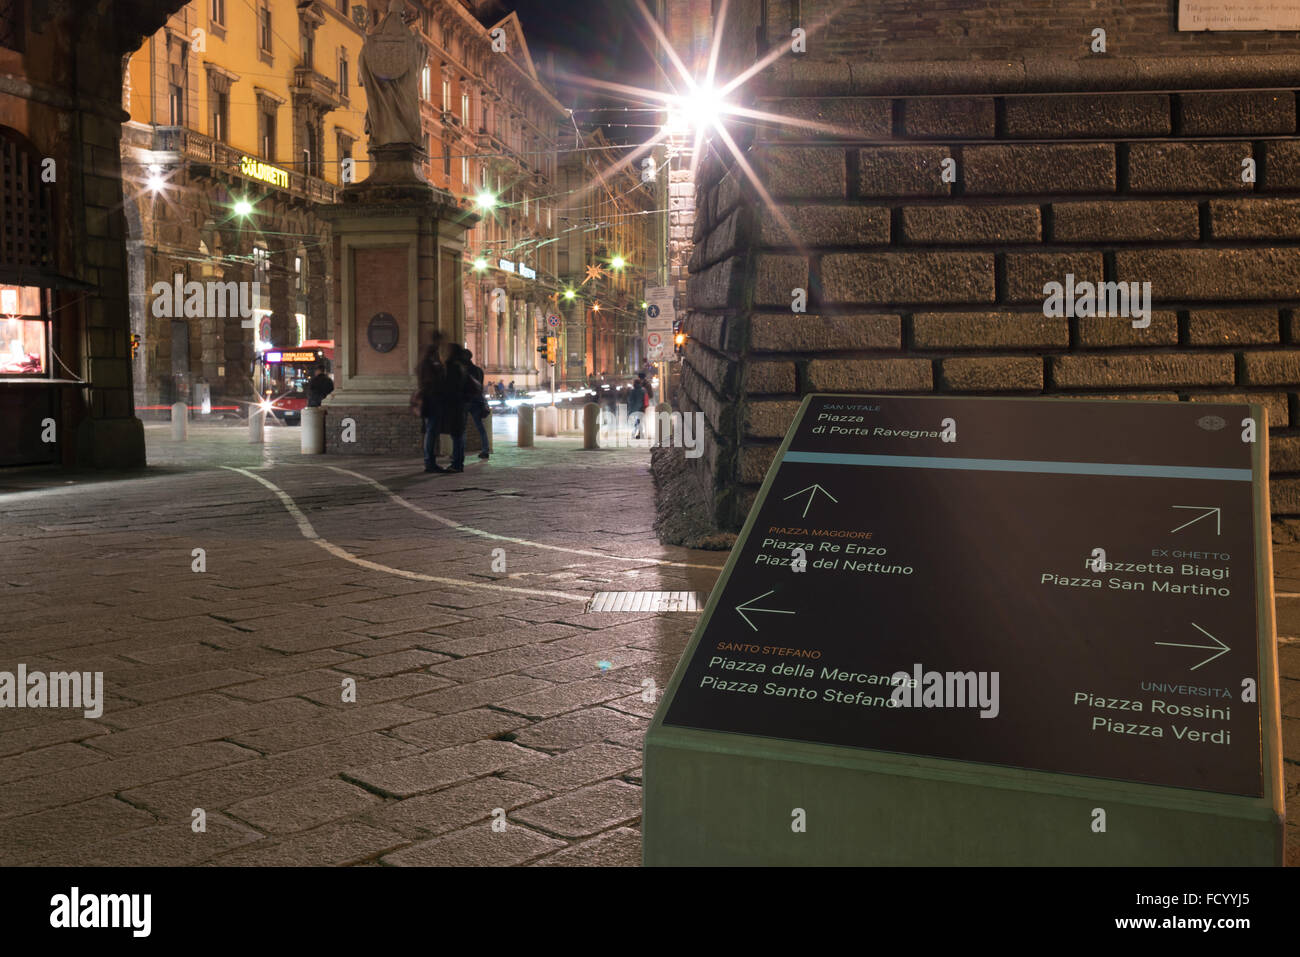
x: 389, y: 66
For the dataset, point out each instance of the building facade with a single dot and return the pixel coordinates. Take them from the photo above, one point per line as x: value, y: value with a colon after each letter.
x: 608, y: 253
x: 1168, y: 156
x: 242, y: 115
x: 491, y: 128
x: 65, y: 369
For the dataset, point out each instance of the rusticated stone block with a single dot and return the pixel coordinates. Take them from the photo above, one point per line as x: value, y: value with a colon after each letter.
x: 902, y: 171
x: 1116, y: 221
x: 1024, y: 169
x: 870, y: 375
x: 1187, y: 167
x: 920, y: 277
x: 798, y: 332
x: 1085, y: 115
x: 1239, y: 112
x: 992, y: 374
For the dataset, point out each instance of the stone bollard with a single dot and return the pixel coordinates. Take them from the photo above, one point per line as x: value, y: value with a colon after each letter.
x: 550, y: 419
x: 180, y: 421
x: 591, y: 426
x: 525, y: 438
x: 256, y: 424
x: 313, y: 431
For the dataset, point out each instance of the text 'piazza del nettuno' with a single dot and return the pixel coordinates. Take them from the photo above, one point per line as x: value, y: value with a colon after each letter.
x: 647, y: 434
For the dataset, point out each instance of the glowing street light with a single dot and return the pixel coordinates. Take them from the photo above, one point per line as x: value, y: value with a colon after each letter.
x: 618, y: 262
x: 485, y: 200
x: 480, y: 264
x: 155, y: 181
x: 569, y: 294
x: 243, y: 207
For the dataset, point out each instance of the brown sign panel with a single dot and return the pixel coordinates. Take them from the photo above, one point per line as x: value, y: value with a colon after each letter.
x: 1056, y: 585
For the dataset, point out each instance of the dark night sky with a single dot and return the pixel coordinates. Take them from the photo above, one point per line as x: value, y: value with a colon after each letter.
x: 601, y: 39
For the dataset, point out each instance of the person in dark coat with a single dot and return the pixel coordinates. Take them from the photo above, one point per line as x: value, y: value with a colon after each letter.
x: 318, y: 387
x: 432, y: 376
x: 478, y: 405
x: 636, y: 400
x: 458, y: 387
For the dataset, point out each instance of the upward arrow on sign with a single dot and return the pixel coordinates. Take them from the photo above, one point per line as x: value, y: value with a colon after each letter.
x: 813, y: 490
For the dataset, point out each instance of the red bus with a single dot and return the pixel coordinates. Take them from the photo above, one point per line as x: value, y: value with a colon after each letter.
x: 281, y: 376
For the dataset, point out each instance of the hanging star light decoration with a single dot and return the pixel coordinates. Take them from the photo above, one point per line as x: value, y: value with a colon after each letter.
x: 594, y: 272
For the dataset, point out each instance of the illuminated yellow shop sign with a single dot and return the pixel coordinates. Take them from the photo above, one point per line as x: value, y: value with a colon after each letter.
x: 254, y: 168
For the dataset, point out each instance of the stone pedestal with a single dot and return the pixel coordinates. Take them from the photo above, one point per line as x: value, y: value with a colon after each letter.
x: 397, y: 245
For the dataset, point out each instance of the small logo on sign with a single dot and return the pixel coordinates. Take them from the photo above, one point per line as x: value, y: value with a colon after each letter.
x: 1211, y: 423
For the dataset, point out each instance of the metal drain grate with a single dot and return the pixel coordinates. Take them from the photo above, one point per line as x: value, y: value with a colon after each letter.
x: 645, y: 601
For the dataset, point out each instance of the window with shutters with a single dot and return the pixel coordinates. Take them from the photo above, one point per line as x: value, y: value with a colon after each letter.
x: 26, y: 205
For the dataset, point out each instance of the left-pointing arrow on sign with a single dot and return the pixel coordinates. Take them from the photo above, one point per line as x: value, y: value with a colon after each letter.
x: 768, y: 611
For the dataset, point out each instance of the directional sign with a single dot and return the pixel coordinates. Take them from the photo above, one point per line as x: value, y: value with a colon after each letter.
x: 917, y: 576
x: 812, y: 491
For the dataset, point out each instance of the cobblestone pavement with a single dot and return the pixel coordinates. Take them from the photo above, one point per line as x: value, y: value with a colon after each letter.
x: 477, y: 690
x: 480, y: 692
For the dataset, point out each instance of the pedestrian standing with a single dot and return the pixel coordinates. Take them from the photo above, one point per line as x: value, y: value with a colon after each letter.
x: 431, y: 376
x: 636, y: 399
x: 478, y: 405
x: 318, y: 387
x: 457, y: 388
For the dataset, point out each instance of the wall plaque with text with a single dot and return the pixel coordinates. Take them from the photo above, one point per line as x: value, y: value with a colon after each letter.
x: 1239, y: 15
x: 1068, y: 586
x: 382, y: 332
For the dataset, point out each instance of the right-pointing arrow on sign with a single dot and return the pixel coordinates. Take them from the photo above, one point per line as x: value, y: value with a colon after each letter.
x: 1222, y: 648
x: 769, y: 611
x: 1205, y: 513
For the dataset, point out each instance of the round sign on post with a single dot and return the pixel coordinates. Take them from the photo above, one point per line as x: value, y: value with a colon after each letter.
x: 553, y: 321
x: 652, y: 311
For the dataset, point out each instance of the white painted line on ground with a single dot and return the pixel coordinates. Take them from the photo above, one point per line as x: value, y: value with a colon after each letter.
x: 310, y: 534
x: 452, y: 523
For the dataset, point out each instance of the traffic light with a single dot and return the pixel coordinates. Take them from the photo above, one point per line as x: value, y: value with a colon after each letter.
x: 679, y: 337
x: 135, y: 344
x: 546, y: 346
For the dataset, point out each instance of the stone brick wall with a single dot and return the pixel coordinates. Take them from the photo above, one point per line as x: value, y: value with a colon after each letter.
x: 916, y: 285
x: 987, y: 29
x: 388, y: 431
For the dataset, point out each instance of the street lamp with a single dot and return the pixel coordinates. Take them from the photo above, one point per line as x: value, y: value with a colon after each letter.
x: 480, y: 264
x: 485, y: 200
x: 618, y: 262
x: 155, y: 181
x: 243, y: 207
x: 569, y: 294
